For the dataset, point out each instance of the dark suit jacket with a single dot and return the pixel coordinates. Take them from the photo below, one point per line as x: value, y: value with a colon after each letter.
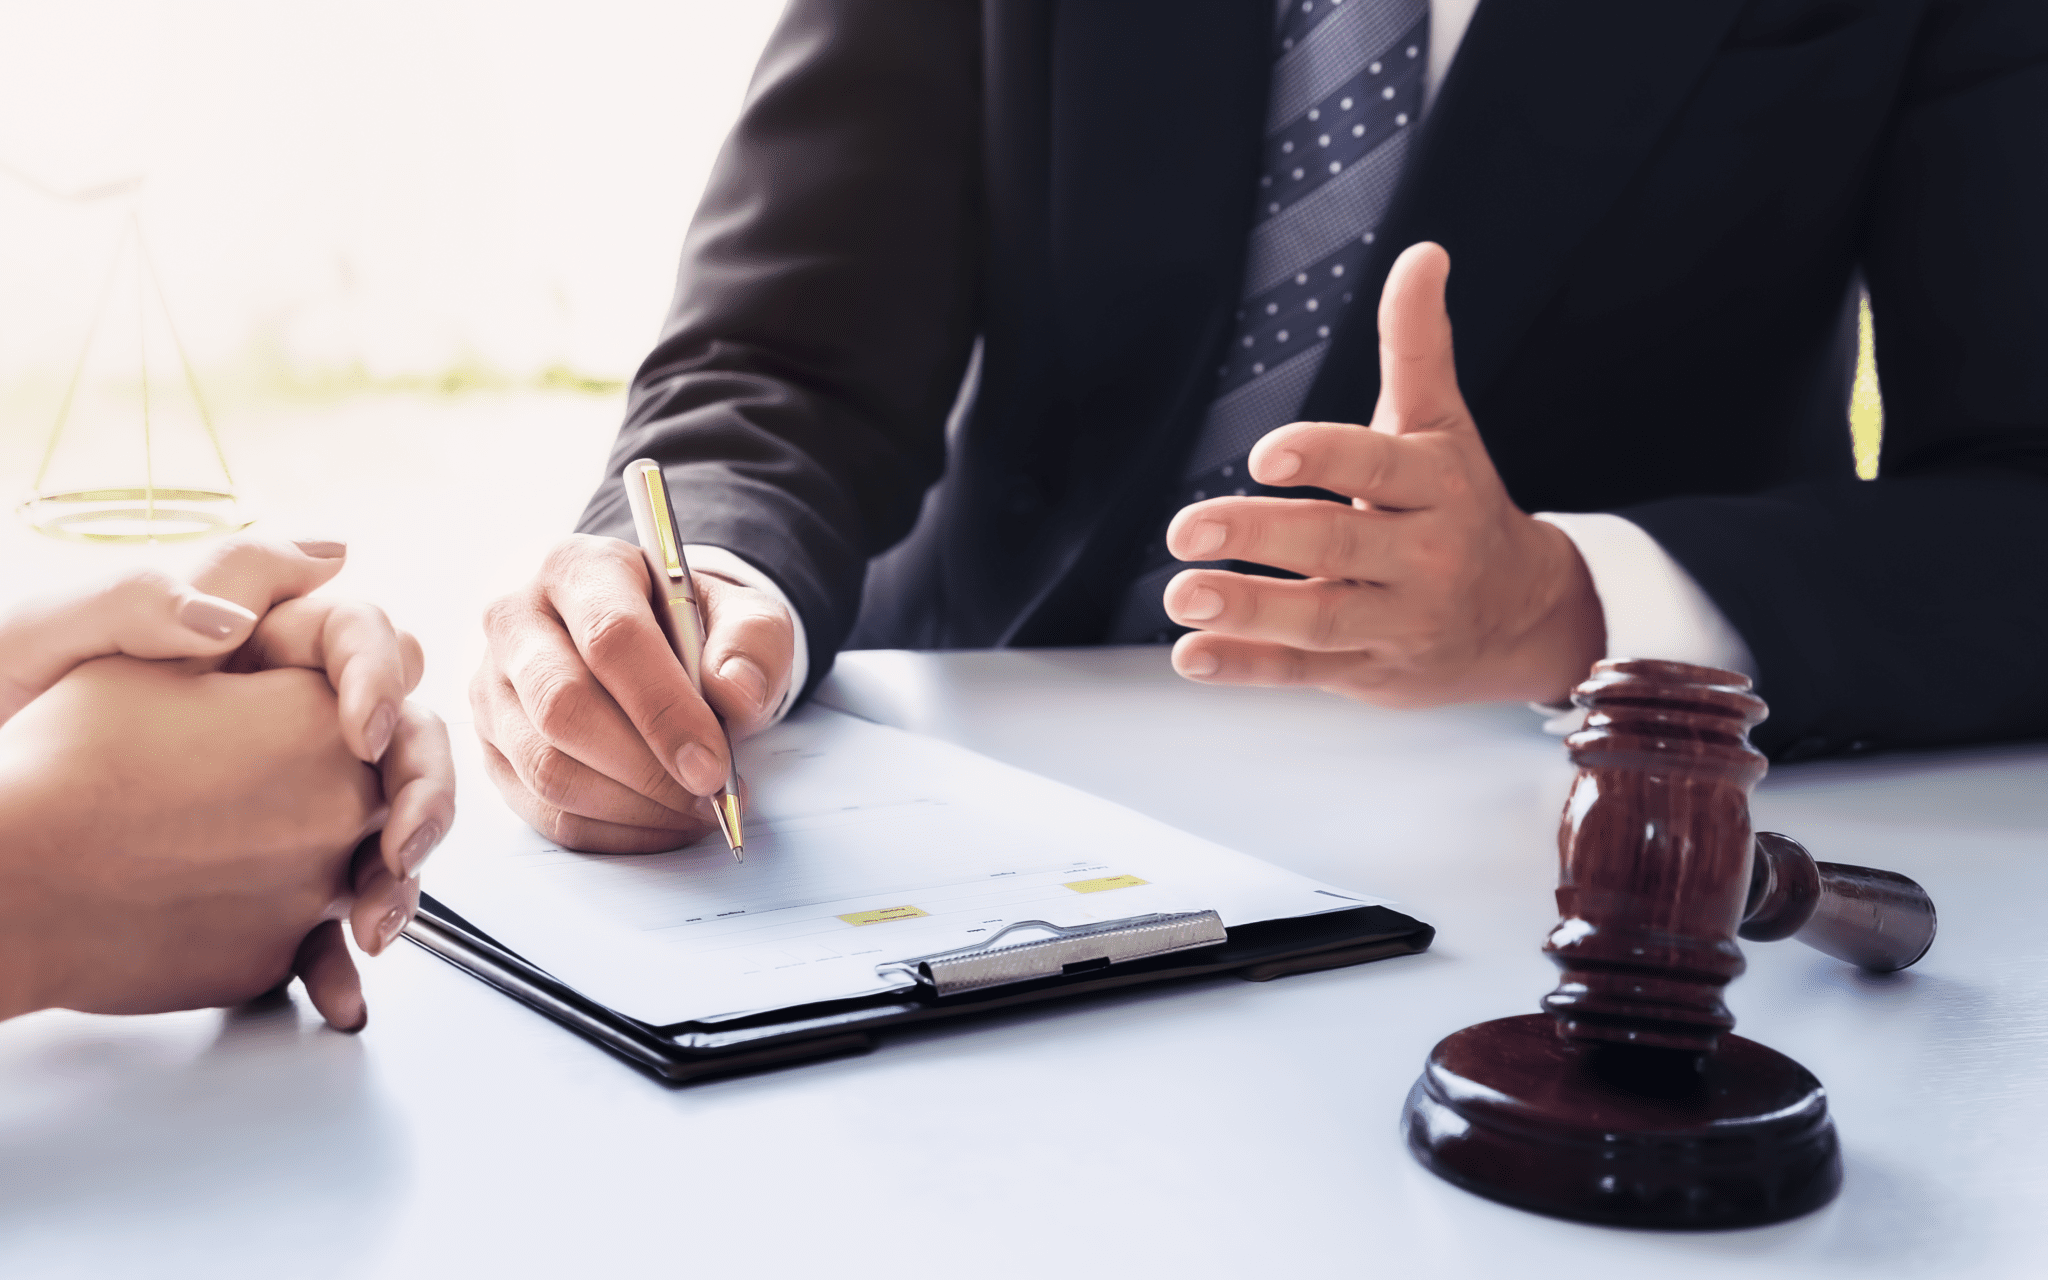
x: 1660, y: 216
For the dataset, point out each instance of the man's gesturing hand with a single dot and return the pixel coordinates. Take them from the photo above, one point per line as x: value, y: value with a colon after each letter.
x: 1431, y: 587
x: 590, y: 728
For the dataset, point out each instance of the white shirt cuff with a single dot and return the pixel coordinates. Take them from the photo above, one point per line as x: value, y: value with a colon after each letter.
x: 728, y: 564
x: 1653, y: 607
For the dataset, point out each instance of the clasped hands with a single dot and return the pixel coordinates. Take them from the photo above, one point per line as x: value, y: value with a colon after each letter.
x: 1431, y: 587
x: 188, y: 775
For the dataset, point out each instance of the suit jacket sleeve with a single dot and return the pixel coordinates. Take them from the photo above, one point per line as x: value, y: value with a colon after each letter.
x: 824, y: 310
x: 1913, y: 610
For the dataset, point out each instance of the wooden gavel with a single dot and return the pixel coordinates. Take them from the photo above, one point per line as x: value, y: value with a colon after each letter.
x: 1629, y: 1100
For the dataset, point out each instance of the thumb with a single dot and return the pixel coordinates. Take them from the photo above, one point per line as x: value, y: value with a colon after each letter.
x: 143, y: 615
x: 748, y: 653
x: 257, y: 574
x: 1418, y: 372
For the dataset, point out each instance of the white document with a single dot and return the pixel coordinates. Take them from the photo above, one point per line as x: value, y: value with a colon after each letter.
x: 865, y: 845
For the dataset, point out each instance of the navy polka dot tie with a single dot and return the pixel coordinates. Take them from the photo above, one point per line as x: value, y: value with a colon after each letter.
x: 1347, y: 87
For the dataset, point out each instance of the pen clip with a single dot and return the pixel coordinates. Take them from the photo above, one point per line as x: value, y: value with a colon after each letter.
x: 667, y: 536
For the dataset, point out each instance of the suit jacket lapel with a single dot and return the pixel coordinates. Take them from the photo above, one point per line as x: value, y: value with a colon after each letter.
x: 1548, y: 110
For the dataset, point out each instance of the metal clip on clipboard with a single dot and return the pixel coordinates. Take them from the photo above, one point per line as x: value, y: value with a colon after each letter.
x: 1070, y: 950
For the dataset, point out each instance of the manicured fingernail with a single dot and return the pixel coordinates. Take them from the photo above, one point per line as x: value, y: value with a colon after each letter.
x: 418, y: 846
x: 387, y: 932
x: 700, y: 770
x: 1201, y: 604
x: 214, y: 619
x: 742, y: 674
x: 1203, y: 537
x: 1197, y: 664
x: 377, y: 735
x: 321, y: 548
x: 1280, y: 466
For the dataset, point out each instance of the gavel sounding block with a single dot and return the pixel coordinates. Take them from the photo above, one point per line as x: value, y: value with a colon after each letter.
x: 1624, y: 1134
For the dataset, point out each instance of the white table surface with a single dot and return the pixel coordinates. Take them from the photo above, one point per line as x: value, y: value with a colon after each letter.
x: 1220, y: 1129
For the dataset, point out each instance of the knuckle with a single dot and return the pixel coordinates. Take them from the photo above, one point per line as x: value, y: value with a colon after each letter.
x: 1327, y: 615
x: 583, y: 555
x: 565, y: 829
x: 412, y: 657
x: 243, y: 555
x: 355, y: 630
x: 559, y: 705
x: 552, y: 776
x: 563, y: 558
x: 362, y: 613
x: 610, y: 635
x: 504, y: 615
x: 141, y: 587
x: 1375, y: 468
x: 1431, y: 557
x: 1341, y: 533
x: 1294, y: 667
x: 665, y: 719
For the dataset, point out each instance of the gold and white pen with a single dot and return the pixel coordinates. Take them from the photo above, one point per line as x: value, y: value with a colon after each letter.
x: 682, y: 618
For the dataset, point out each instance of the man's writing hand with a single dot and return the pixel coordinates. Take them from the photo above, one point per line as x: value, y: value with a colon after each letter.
x: 1431, y: 587
x: 590, y: 727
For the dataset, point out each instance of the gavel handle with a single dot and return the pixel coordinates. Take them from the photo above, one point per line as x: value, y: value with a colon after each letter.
x: 1877, y: 920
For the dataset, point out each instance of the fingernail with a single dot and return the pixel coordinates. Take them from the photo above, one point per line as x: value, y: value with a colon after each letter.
x: 1197, y: 664
x: 700, y: 770
x: 377, y: 736
x: 387, y: 932
x: 214, y: 619
x: 1203, y: 537
x: 417, y: 847
x: 1201, y: 605
x: 1280, y: 466
x: 742, y: 674
x: 321, y: 548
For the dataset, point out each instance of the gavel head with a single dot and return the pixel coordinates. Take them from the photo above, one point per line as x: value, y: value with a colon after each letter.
x: 1655, y: 855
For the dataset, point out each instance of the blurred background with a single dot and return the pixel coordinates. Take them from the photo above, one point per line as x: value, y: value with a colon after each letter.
x: 387, y: 195
x: 412, y: 249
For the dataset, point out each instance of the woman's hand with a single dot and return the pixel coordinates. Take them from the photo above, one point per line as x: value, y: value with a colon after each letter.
x: 172, y: 838
x: 240, y: 627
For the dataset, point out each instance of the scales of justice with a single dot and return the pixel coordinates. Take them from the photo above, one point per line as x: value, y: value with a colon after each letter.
x: 133, y: 456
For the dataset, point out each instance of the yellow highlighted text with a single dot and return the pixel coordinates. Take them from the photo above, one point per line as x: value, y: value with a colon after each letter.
x: 884, y: 915
x: 1107, y: 882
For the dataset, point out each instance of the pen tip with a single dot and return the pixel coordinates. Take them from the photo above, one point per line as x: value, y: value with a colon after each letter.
x: 727, y: 807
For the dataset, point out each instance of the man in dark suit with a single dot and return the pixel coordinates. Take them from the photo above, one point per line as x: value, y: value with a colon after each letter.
x: 1017, y: 281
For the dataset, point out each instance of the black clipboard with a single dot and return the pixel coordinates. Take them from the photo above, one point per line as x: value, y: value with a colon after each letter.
x: 689, y: 1051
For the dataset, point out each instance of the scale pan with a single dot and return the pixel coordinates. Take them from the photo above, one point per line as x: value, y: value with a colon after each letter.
x: 134, y: 515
